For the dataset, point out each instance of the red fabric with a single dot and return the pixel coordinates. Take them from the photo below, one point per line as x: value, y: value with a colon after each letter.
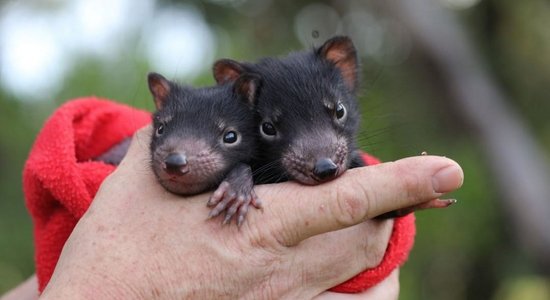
x: 60, y: 180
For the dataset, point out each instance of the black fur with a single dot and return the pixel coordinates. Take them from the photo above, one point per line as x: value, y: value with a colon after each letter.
x: 192, y: 125
x: 196, y: 112
x: 294, y: 95
x: 297, y: 98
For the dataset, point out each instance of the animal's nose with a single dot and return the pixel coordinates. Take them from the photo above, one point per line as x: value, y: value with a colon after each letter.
x: 325, y: 168
x: 175, y: 163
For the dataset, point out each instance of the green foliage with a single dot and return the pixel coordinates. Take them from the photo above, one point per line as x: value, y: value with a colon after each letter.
x: 16, y: 248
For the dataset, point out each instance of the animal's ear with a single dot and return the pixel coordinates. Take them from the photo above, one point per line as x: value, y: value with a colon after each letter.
x: 248, y: 87
x: 341, y: 52
x: 227, y: 70
x: 159, y: 87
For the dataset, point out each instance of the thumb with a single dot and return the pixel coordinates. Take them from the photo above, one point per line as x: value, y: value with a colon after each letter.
x: 359, y: 194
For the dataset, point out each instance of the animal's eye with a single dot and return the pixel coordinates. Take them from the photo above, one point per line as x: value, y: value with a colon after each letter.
x: 160, y: 130
x: 268, y: 129
x: 230, y: 137
x: 340, y: 111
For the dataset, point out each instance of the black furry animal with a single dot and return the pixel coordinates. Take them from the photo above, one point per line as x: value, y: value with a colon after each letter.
x: 307, y: 114
x: 307, y: 110
x: 204, y: 139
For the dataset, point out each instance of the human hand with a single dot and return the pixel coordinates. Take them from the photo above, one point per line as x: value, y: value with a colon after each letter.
x: 387, y: 289
x: 139, y: 241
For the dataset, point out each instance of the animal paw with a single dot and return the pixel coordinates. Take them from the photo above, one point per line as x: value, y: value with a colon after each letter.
x: 235, y: 200
x: 234, y: 195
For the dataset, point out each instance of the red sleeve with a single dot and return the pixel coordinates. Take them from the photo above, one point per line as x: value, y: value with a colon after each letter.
x: 60, y: 179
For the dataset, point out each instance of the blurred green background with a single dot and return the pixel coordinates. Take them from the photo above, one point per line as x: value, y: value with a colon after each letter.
x: 56, y: 50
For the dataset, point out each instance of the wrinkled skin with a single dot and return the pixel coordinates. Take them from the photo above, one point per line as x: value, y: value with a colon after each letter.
x: 139, y: 242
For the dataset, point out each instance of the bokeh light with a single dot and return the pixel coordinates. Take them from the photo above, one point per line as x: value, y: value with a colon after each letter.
x: 316, y: 23
x: 39, y: 45
x: 179, y: 43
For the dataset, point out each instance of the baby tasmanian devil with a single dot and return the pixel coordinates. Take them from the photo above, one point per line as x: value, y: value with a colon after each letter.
x: 308, y: 114
x: 204, y: 139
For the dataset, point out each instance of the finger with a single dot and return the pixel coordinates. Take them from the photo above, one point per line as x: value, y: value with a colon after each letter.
x: 303, y: 211
x: 341, y: 254
x: 434, y: 203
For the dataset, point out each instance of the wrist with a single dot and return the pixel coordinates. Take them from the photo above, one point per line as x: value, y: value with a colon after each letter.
x: 83, y: 284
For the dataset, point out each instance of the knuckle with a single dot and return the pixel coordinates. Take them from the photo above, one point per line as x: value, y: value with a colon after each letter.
x: 272, y: 235
x: 284, y: 236
x: 350, y: 206
x: 410, y: 182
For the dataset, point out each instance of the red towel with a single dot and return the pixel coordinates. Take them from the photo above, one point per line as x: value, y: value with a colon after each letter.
x: 60, y: 180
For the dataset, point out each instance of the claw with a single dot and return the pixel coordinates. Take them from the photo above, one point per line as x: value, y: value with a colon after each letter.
x: 233, y: 208
x: 217, y: 196
x: 213, y: 213
x: 227, y: 219
x: 241, y: 214
x: 236, y: 204
x: 233, y: 197
x: 221, y: 206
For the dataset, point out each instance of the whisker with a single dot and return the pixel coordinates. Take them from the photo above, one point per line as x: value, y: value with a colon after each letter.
x: 268, y: 173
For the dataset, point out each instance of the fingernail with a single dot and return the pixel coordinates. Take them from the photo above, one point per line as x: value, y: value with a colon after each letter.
x: 446, y: 202
x: 447, y: 179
